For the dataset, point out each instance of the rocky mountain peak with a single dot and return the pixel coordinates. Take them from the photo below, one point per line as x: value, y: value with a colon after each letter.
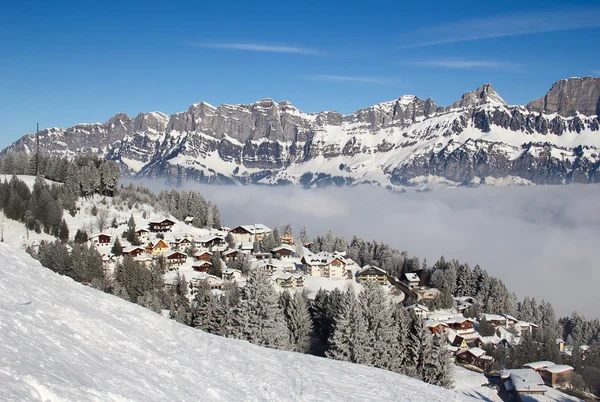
x: 485, y: 94
x: 569, y: 97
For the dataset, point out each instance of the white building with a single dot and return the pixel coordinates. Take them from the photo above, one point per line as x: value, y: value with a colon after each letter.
x: 328, y: 265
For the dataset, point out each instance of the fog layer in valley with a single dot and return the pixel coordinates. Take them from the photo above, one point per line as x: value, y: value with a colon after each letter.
x: 541, y: 241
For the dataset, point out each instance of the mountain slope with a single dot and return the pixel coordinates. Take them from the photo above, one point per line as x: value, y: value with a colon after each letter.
x: 479, y: 138
x: 65, y: 341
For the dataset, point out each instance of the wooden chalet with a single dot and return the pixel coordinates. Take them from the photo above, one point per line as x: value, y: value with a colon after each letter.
x: 134, y: 251
x: 100, y: 239
x: 373, y: 274
x: 230, y: 255
x: 436, y: 327
x: 283, y: 252
x: 459, y: 323
x: 202, y: 266
x: 143, y: 234
x: 176, y: 259
x: 262, y: 256
x: 203, y: 255
x: 210, y: 241
x: 419, y: 310
x: 249, y: 233
x: 159, y: 248
x: 166, y: 225
x: 411, y: 279
x: 476, y: 357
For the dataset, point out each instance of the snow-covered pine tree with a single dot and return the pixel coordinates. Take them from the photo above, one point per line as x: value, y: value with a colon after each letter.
x: 441, y: 372
x: 420, y: 349
x: 265, y: 325
x: 349, y: 336
x: 402, y: 326
x: 298, y: 320
x: 378, y: 350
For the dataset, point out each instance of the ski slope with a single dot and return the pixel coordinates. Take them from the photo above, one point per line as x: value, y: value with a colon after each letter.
x: 62, y: 341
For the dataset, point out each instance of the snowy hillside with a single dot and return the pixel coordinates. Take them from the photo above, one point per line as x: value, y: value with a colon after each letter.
x: 65, y: 341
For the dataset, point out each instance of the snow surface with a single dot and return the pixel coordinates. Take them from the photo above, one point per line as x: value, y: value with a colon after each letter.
x: 64, y: 341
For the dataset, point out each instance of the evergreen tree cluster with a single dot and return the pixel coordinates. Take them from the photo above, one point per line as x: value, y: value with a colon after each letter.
x: 83, y: 263
x: 20, y: 163
x: 369, y: 330
x: 39, y: 209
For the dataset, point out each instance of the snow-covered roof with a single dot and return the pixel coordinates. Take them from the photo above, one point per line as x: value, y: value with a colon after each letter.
x: 247, y: 246
x: 131, y: 249
x: 417, y: 306
x: 367, y: 267
x: 477, y: 352
x: 255, y: 229
x: 432, y: 323
x: 558, y: 368
x: 142, y: 230
x: 284, y: 247
x: 510, y: 317
x: 172, y: 253
x: 493, y: 317
x: 99, y: 234
x: 457, y: 319
x: 202, y: 252
x: 208, y: 238
x: 539, y: 365
x: 412, y: 277
x: 322, y: 258
x: 284, y: 276
x: 231, y: 271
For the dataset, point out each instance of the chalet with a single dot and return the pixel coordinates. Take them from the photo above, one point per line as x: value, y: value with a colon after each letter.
x: 202, y: 266
x: 249, y: 233
x: 463, y: 303
x: 100, y: 239
x: 373, y: 274
x: 287, y: 239
x: 159, y: 248
x: 517, y: 383
x: 435, y: 327
x: 289, y: 281
x: 142, y: 234
x: 134, y: 251
x: 411, y: 279
x: 419, y: 310
x: 494, y: 319
x: 476, y: 357
x: 180, y: 243
x: 457, y: 342
x: 230, y: 255
x: 143, y: 259
x: 558, y: 375
x: 262, y: 256
x: 328, y: 265
x: 266, y: 266
x: 460, y: 324
x: 214, y: 282
x: 231, y: 275
x: 166, y: 225
x: 283, y: 251
x: 189, y: 220
x: 176, y: 259
x: 526, y: 326
x: 210, y: 241
x: 203, y: 255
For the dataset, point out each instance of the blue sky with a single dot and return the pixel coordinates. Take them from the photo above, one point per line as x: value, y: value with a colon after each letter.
x: 63, y: 63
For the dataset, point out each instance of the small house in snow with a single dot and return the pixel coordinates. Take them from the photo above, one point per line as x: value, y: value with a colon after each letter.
x: 100, y: 239
x: 165, y: 225
x: 143, y: 234
x: 202, y: 266
x: 249, y: 233
x: 412, y: 280
x: 284, y: 251
x: 476, y: 357
x: 176, y: 259
x: 419, y: 310
x: 231, y: 274
x: 328, y: 265
x: 203, y: 255
x: 134, y: 251
x: 558, y: 375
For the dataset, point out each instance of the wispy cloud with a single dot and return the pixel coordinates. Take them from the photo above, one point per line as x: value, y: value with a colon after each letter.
x: 504, y: 26
x: 461, y: 64
x: 255, y: 47
x: 350, y: 78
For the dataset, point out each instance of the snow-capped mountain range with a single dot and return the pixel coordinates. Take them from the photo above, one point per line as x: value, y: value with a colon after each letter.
x: 406, y: 142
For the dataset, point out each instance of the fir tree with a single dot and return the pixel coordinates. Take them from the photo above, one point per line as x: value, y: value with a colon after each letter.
x: 117, y: 249
x: 349, y: 335
x: 81, y: 236
x: 63, y: 233
x: 298, y: 321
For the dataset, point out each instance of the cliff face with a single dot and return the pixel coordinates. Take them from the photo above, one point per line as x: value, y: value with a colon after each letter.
x: 477, y: 139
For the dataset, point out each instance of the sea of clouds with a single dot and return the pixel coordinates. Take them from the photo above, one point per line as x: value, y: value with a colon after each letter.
x: 542, y: 241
